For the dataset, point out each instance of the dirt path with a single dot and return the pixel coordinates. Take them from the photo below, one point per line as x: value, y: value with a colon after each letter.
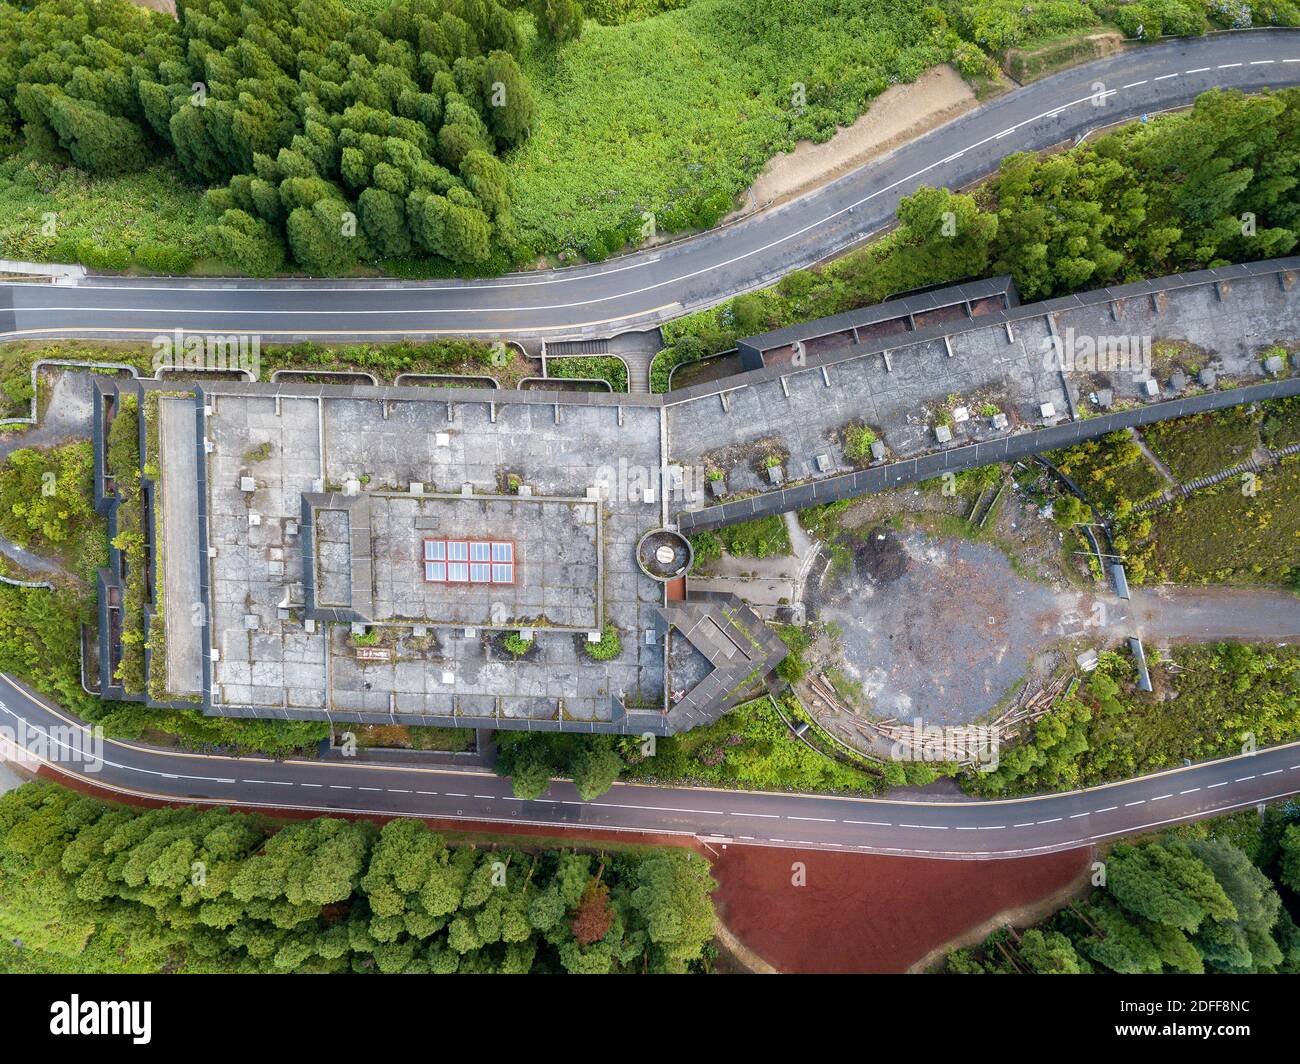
x: 1154, y: 459
x: 899, y: 114
x: 1214, y: 614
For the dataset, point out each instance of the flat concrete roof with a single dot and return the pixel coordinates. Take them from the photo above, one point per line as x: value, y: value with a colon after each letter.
x: 179, y: 544
x: 556, y: 546
x: 332, y: 473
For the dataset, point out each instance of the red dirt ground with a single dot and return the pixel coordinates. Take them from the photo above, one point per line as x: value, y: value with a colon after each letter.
x: 868, y: 913
x: 856, y: 913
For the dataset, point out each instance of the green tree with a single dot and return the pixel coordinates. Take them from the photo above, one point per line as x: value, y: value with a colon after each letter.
x: 1050, y: 953
x: 596, y: 767
x: 671, y: 901
x: 1167, y: 884
x: 557, y: 20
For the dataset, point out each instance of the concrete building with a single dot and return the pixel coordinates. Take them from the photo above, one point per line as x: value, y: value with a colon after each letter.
x: 360, y: 554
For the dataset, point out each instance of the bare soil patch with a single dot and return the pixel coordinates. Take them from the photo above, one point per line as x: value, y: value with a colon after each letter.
x: 899, y: 114
x: 868, y: 913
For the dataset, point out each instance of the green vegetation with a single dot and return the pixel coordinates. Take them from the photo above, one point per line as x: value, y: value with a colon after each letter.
x: 45, y: 506
x: 1144, y: 201
x: 531, y: 759
x: 1040, y: 58
x: 1112, y: 471
x: 516, y: 644
x: 916, y: 254
x: 386, y: 361
x: 1070, y: 511
x: 1240, y: 531
x: 340, y: 138
x: 857, y: 443
x: 403, y: 737
x: 123, y: 465
x: 40, y: 631
x: 678, y: 150
x: 436, y: 136
x: 1227, y: 696
x: 594, y: 367
x: 1222, y: 534
x: 750, y: 747
x: 1191, y: 904
x: 797, y: 640
x: 150, y: 220
x: 759, y: 538
x: 607, y: 648
x: 96, y: 887
x: 40, y: 642
x: 1281, y: 424
x: 706, y: 548
x: 1197, y: 446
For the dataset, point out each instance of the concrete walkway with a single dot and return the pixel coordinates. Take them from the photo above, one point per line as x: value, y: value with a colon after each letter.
x: 68, y: 415
x: 56, y: 272
x: 178, y: 437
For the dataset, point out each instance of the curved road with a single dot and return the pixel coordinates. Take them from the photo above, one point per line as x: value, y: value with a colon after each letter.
x: 646, y: 288
x: 642, y: 290
x: 963, y: 829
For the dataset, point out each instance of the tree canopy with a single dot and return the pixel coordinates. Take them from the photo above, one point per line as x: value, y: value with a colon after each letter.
x: 329, y: 139
x: 212, y: 890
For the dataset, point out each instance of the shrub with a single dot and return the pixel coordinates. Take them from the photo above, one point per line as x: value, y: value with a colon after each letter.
x: 608, y: 648
x: 516, y: 644
x: 857, y: 443
x: 707, y: 548
x: 163, y: 258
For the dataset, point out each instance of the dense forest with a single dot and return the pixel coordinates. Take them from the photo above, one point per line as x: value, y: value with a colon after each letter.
x: 326, y: 138
x: 91, y: 886
x: 1202, y: 899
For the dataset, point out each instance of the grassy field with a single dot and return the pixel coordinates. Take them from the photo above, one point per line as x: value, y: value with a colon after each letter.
x: 1236, y: 532
x: 1197, y: 446
x: 758, y: 538
x: 1222, y: 535
x: 52, y: 213
x: 675, y: 115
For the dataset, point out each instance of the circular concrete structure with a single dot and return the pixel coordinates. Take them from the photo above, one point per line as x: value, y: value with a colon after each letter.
x: 664, y: 554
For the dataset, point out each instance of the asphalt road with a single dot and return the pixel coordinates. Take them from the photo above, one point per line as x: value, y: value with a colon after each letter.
x: 968, y: 829
x: 646, y: 288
